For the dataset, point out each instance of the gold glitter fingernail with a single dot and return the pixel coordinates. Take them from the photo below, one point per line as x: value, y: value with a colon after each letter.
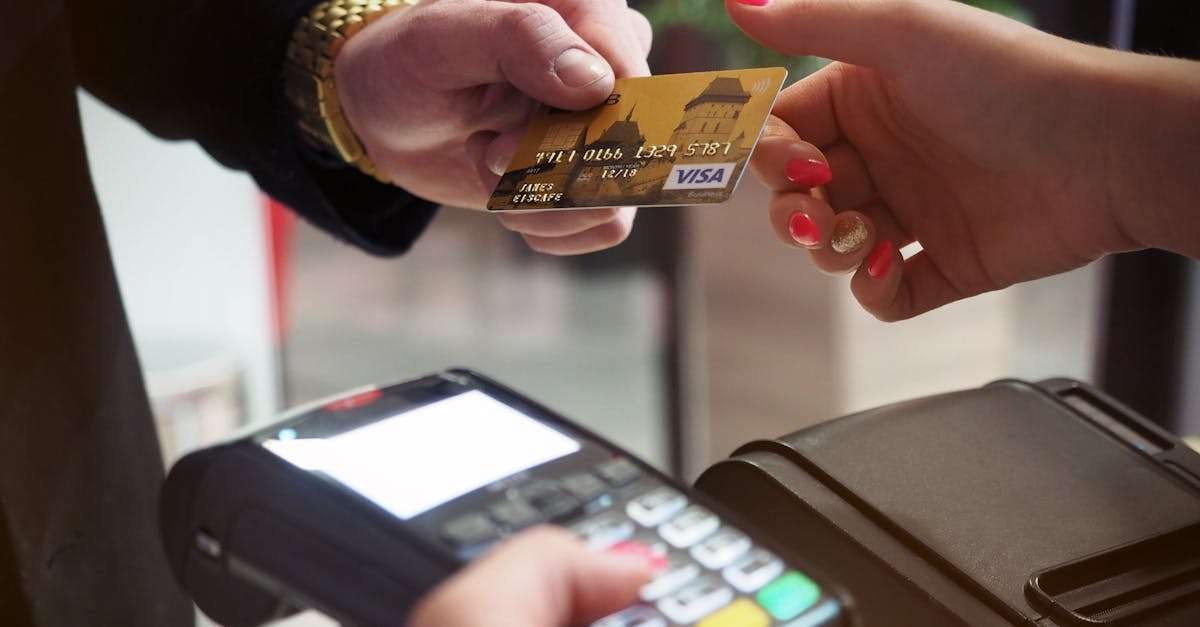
x: 849, y: 234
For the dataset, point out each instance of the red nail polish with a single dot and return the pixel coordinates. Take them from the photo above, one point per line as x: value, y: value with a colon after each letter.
x: 803, y: 230
x: 807, y: 172
x: 880, y: 259
x: 754, y: 3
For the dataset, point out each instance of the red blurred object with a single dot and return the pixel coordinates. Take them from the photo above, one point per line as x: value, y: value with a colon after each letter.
x: 361, y: 399
x: 654, y: 556
x: 281, y: 225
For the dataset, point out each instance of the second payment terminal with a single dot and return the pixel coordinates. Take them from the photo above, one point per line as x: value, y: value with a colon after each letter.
x: 359, y: 507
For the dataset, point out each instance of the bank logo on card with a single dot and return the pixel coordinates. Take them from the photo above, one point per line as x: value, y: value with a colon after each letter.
x: 707, y: 176
x: 674, y: 139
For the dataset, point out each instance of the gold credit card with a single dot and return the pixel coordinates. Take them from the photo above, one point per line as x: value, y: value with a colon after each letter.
x: 673, y: 139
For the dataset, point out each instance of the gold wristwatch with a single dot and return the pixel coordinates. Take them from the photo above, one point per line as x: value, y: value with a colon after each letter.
x: 308, y: 75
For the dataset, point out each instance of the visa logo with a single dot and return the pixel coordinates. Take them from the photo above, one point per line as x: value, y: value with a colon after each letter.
x: 700, y: 176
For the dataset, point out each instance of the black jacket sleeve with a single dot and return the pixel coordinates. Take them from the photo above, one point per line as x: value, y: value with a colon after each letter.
x: 211, y: 70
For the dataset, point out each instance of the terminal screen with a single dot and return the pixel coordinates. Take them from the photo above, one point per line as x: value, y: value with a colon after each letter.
x: 423, y: 457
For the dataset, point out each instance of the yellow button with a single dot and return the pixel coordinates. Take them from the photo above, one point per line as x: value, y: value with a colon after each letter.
x: 741, y: 613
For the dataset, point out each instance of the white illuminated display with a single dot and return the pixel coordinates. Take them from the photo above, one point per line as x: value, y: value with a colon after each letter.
x: 419, y: 459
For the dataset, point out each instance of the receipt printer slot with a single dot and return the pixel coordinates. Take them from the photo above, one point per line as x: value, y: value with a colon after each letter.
x: 1123, y: 582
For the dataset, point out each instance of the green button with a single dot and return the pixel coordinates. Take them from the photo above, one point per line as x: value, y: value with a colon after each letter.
x: 789, y: 595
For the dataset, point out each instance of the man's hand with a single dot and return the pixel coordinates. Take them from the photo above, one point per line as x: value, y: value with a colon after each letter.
x: 439, y: 94
x: 544, y: 577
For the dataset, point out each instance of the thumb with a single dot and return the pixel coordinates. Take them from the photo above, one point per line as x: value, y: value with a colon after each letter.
x: 458, y: 45
x: 884, y: 34
x: 544, y: 577
x: 535, y: 37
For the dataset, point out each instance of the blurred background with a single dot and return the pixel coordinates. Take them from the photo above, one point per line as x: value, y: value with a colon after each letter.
x: 698, y: 334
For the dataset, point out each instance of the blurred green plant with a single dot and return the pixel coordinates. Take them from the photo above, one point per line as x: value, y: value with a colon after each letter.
x: 708, y: 18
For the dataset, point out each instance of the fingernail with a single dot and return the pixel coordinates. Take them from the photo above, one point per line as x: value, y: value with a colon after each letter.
x: 849, y: 234
x: 754, y: 3
x: 880, y: 259
x: 803, y: 230
x: 807, y: 172
x: 576, y: 68
x: 498, y: 164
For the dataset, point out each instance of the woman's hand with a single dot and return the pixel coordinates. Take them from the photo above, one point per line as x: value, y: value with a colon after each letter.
x: 439, y: 94
x: 544, y: 577
x: 1007, y: 153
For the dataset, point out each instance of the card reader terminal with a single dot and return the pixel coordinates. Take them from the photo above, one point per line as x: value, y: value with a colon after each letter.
x: 359, y: 506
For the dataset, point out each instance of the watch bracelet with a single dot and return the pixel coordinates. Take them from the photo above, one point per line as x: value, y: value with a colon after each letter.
x: 309, y: 81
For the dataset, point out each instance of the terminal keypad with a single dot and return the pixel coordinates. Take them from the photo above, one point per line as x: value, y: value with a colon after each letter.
x: 678, y: 572
x: 711, y: 574
x: 515, y: 514
x: 721, y: 548
x: 470, y: 530
x: 619, y: 472
x: 584, y: 486
x: 689, y: 527
x: 550, y: 500
x: 636, y: 616
x: 753, y: 571
x: 696, y: 600
x: 655, y: 507
x: 708, y: 574
x: 605, y: 531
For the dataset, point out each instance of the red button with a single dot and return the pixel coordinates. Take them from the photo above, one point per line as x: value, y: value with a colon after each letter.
x: 656, y: 557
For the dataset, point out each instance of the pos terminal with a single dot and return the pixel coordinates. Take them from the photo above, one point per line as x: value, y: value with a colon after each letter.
x: 361, y: 505
x: 1013, y: 504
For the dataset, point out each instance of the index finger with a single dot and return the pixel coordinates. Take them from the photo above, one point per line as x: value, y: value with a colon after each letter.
x: 543, y: 577
x: 786, y: 163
